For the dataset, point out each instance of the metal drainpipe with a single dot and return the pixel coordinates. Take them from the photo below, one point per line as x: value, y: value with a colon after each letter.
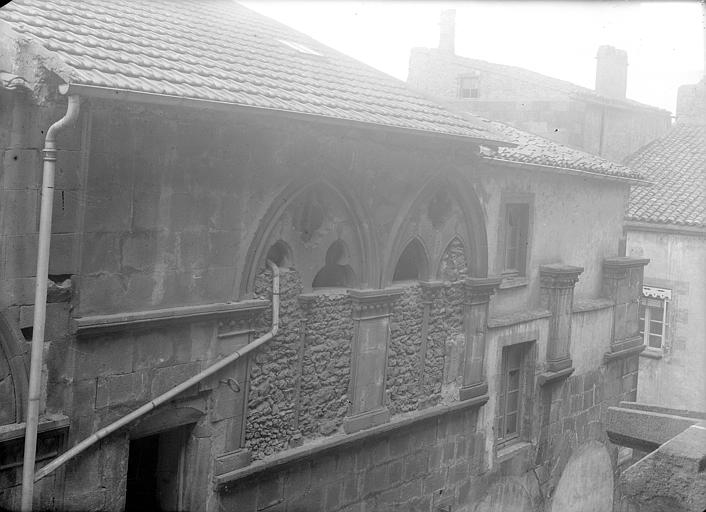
x: 40, y: 301
x: 93, y: 438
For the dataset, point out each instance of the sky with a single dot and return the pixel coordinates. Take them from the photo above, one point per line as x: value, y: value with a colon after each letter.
x: 664, y: 40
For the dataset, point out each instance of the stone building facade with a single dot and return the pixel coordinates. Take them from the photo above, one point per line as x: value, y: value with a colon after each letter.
x: 453, y: 319
x: 668, y: 224
x: 601, y: 121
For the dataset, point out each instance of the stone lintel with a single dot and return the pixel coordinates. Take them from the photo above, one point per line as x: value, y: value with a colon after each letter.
x: 479, y: 289
x: 557, y: 275
x: 635, y: 428
x: 551, y: 377
x: 365, y: 420
x: 373, y: 303
x: 148, y: 319
x: 473, y: 391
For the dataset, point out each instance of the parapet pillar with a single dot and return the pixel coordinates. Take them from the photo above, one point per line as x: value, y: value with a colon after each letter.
x: 622, y: 283
x: 557, y: 283
x: 475, y: 321
x: 371, y: 336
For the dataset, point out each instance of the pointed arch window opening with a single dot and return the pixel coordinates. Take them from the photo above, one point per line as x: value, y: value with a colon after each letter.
x: 412, y: 263
x: 337, y: 272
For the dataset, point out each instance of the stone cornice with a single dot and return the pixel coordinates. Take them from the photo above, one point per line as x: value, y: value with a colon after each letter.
x: 479, y: 289
x: 373, y: 303
x: 558, y: 275
x: 87, y: 325
x: 616, y: 267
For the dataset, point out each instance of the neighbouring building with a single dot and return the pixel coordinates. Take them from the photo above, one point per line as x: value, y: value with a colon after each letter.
x: 454, y: 320
x: 667, y: 223
x: 601, y: 120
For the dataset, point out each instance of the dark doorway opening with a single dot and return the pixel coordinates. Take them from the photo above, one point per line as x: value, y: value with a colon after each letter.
x: 155, y: 471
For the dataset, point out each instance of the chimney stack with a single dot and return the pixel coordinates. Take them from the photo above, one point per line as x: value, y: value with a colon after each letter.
x: 447, y: 31
x: 611, y: 72
x: 691, y: 103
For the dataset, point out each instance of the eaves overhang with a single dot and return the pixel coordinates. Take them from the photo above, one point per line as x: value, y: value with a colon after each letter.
x: 130, y: 96
x: 500, y: 162
x: 660, y: 227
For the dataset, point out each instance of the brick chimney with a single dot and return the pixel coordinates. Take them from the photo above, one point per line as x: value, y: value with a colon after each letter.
x: 611, y: 72
x: 447, y: 31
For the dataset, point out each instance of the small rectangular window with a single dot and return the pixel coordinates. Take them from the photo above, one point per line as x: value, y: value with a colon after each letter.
x: 512, y: 392
x: 653, y: 315
x: 468, y: 87
x: 516, y: 228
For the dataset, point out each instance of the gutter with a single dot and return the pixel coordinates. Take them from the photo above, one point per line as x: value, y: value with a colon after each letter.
x: 172, y: 393
x: 564, y: 170
x: 40, y: 301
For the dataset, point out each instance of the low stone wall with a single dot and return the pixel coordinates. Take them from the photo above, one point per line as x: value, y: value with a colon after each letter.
x: 409, y: 470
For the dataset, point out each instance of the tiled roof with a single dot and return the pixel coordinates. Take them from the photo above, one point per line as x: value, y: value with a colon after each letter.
x: 220, y: 51
x: 549, y: 82
x: 676, y: 163
x: 533, y: 149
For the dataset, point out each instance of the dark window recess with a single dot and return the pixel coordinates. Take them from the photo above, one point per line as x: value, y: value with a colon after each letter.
x: 27, y: 332
x: 155, y: 472
x: 411, y: 264
x: 59, y: 278
x: 336, y: 273
x: 279, y: 254
x: 468, y: 87
x: 516, y: 231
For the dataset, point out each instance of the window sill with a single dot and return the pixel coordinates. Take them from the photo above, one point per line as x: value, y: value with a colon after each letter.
x: 513, y: 282
x: 652, y: 353
x: 512, y: 450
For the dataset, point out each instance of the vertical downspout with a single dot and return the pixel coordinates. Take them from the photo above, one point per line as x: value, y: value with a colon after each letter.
x: 40, y: 301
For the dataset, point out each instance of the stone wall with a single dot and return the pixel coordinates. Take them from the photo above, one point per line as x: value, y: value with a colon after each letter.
x: 409, y: 470
x: 676, y: 264
x: 325, y: 365
x: 273, y: 374
x: 613, y: 130
x: 404, y: 357
x: 179, y: 209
